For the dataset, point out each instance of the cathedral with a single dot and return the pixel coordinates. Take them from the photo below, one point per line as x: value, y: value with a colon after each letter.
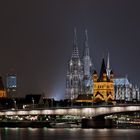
x: 125, y: 91
x: 78, y: 77
x: 83, y: 84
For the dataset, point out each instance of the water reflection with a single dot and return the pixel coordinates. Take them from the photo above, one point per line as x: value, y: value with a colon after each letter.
x: 68, y: 134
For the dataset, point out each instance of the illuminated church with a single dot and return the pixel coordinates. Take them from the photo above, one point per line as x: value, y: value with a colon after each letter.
x: 125, y: 91
x: 85, y: 85
x: 79, y: 71
x: 103, y: 84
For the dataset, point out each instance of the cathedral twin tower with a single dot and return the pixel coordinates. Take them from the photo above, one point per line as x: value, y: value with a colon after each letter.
x: 81, y: 79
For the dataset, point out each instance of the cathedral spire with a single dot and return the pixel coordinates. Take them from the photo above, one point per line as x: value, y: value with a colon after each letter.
x: 103, y: 70
x: 108, y: 62
x: 86, y: 51
x: 108, y: 66
x: 75, y: 53
x: 86, y: 38
x: 75, y: 37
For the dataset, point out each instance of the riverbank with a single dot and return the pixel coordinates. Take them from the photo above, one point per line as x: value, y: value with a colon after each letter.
x: 39, y: 124
x: 42, y: 124
x: 24, y: 124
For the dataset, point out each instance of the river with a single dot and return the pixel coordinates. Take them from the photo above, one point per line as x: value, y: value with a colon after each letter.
x: 68, y: 134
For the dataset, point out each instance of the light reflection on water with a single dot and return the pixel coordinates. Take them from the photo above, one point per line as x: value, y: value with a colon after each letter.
x: 68, y: 134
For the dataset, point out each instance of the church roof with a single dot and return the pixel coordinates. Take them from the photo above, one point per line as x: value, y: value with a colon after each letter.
x: 84, y: 97
x: 102, y: 71
x: 121, y: 81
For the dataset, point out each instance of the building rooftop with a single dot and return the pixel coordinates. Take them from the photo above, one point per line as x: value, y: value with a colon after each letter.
x: 121, y: 81
x: 84, y: 97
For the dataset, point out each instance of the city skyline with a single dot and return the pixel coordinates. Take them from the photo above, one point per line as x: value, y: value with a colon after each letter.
x: 37, y: 40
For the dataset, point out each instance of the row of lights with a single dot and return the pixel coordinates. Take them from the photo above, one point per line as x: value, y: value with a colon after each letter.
x: 83, y: 111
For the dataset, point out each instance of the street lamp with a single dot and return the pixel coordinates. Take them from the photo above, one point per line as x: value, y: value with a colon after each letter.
x: 52, y: 102
x: 71, y: 102
x: 33, y: 102
x: 15, y: 103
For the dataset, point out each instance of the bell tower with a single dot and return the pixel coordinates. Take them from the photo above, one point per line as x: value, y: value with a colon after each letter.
x: 103, y: 87
x: 2, y: 89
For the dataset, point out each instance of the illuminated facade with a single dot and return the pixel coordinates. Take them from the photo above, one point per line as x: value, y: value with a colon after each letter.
x: 74, y: 75
x: 11, y: 83
x: 81, y: 83
x: 87, y: 68
x: 2, y: 89
x: 78, y: 78
x: 126, y: 91
x: 103, y: 86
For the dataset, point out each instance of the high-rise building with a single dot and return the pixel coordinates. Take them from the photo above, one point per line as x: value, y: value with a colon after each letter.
x: 11, y: 84
x: 103, y: 85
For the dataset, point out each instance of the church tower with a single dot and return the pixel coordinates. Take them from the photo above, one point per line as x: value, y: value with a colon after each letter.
x: 74, y: 73
x: 2, y: 89
x: 87, y: 68
x: 103, y: 86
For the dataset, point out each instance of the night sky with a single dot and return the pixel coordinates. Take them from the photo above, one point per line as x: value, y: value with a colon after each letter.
x: 36, y: 39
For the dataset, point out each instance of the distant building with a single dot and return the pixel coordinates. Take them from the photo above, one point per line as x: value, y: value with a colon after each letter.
x: 103, y: 85
x: 81, y: 82
x: 2, y: 89
x: 85, y: 98
x: 11, y: 84
x: 125, y: 91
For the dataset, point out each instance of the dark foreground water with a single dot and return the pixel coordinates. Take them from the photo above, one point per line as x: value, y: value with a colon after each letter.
x: 68, y: 134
